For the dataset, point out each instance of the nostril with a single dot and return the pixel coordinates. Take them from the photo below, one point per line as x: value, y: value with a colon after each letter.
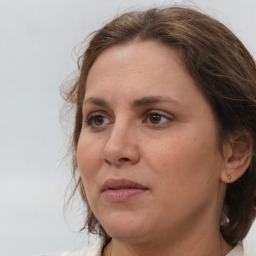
x: 124, y: 159
x: 107, y: 161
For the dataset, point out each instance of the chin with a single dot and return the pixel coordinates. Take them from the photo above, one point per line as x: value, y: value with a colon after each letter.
x: 125, y: 227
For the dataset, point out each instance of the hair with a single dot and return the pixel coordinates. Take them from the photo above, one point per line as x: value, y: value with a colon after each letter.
x: 224, y: 72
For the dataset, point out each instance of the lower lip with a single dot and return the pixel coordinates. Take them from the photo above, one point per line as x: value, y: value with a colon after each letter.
x: 122, y: 195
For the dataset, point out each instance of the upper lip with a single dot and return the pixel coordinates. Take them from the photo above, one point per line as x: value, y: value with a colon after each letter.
x: 121, y: 184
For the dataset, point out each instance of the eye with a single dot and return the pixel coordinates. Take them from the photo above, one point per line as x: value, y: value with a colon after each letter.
x: 158, y: 118
x: 97, y: 120
x: 155, y: 118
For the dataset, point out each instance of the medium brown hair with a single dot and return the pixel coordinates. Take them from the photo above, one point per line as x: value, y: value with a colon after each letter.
x: 223, y: 70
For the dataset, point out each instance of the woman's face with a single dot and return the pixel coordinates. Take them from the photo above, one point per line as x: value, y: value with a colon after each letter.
x: 147, y: 152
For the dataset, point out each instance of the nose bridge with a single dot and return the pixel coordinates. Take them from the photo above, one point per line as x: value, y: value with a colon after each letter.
x: 121, y: 145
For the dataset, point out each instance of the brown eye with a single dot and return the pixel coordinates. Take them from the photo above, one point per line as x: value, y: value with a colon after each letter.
x: 155, y: 118
x: 158, y: 118
x: 98, y: 120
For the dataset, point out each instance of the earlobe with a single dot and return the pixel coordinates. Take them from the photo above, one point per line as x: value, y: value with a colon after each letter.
x: 237, y: 155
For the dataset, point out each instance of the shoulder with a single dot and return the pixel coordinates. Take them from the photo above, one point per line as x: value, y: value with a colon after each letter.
x: 93, y: 249
x: 238, y: 250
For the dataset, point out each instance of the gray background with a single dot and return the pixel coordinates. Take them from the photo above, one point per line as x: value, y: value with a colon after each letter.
x: 37, y: 38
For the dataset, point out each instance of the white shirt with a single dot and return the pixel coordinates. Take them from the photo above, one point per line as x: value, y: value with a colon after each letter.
x: 96, y: 250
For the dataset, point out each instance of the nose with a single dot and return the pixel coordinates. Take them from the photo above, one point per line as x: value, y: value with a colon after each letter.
x: 121, y: 146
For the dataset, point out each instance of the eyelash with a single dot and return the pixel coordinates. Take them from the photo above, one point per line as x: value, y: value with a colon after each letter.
x: 151, y: 113
x: 92, y: 117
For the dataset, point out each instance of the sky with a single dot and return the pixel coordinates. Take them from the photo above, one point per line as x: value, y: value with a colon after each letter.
x: 39, y: 43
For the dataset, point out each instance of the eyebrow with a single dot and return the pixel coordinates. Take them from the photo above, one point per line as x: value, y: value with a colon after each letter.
x: 137, y: 102
x: 96, y: 101
x: 155, y: 99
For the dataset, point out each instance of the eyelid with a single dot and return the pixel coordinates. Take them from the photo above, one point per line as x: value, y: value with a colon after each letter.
x: 160, y: 112
x: 95, y: 113
x: 164, y: 115
x: 89, y: 117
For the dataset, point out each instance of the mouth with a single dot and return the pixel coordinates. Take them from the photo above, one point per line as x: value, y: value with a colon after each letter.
x: 120, y: 190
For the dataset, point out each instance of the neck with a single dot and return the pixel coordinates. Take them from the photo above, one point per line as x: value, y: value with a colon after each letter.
x: 201, y: 247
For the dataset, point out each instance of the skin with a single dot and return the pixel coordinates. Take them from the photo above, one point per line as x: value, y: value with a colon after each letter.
x: 168, y: 145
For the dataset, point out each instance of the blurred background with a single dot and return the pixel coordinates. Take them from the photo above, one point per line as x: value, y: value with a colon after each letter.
x: 38, y: 42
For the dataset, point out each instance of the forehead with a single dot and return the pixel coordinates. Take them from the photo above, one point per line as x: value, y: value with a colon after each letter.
x: 139, y: 64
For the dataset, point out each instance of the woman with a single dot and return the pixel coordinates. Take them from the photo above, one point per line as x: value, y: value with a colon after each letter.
x: 163, y: 144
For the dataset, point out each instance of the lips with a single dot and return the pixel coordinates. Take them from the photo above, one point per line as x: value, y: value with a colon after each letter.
x: 122, y: 189
x: 121, y: 184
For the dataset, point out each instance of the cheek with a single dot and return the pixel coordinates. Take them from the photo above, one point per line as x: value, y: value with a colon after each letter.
x: 88, y: 159
x: 187, y: 160
x: 185, y: 174
x: 89, y: 164
x: 172, y: 153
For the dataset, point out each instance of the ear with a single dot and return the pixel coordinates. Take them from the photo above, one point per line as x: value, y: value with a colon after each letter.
x: 237, y: 156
